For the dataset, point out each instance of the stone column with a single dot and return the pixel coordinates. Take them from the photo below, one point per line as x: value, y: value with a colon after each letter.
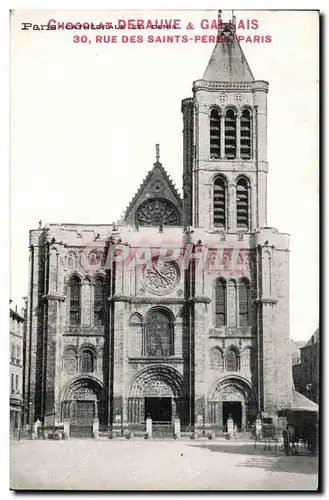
x: 95, y: 428
x: 220, y: 415
x: 230, y: 426
x: 222, y: 136
x: 178, y: 347
x: 243, y: 420
x: 203, y: 131
x: 86, y: 303
x: 231, y: 303
x: 177, y: 428
x: 238, y: 134
x: 258, y: 428
x: 66, y: 428
x: 174, y: 408
x: 231, y: 208
x: 149, y: 426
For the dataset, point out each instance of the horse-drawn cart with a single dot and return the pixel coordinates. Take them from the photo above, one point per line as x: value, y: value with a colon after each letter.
x: 301, y: 431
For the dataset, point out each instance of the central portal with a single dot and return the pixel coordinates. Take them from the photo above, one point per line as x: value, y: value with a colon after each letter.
x: 158, y: 409
x: 232, y: 409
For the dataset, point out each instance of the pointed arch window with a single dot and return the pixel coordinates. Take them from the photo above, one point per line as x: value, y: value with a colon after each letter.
x: 219, y: 202
x: 159, y: 334
x: 215, y: 133
x: 99, y: 302
x: 75, y: 301
x: 244, y: 302
x: 245, y: 134
x: 230, y: 134
x: 242, y: 203
x: 232, y: 361
x: 87, y: 361
x: 220, y: 303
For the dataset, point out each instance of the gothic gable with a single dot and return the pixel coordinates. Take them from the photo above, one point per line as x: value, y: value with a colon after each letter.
x: 157, y: 201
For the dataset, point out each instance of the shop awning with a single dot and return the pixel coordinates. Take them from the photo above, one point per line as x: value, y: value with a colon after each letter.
x: 300, y: 404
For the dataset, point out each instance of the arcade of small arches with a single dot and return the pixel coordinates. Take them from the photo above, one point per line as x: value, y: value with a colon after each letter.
x: 84, y: 295
x: 83, y: 360
x: 232, y: 360
x: 222, y: 289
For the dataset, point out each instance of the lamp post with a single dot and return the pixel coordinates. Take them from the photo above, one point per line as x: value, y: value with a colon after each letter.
x: 203, y: 419
x: 26, y: 418
x: 54, y: 422
x: 121, y: 418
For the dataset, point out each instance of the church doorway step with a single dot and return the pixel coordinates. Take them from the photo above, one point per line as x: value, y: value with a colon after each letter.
x: 232, y: 409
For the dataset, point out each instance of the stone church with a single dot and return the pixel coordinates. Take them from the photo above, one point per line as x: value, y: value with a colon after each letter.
x: 181, y: 309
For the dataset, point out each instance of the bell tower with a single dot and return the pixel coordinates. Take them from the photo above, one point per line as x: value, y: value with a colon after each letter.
x: 225, y: 200
x: 225, y: 144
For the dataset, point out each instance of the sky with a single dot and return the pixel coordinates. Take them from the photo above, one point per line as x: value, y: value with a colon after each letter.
x: 85, y: 119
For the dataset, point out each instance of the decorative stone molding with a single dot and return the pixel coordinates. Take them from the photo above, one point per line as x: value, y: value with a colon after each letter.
x: 49, y: 296
x: 233, y: 332
x: 146, y: 300
x: 151, y: 360
x: 120, y: 298
x: 207, y: 85
x: 88, y: 331
x: 200, y: 300
x: 265, y: 300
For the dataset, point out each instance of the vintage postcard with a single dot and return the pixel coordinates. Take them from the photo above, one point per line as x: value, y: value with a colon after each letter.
x: 164, y: 329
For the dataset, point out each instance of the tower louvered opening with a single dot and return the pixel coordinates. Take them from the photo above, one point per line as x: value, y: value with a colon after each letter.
x: 242, y: 204
x: 245, y: 134
x: 220, y: 303
x: 230, y: 134
x: 215, y: 134
x: 219, y: 203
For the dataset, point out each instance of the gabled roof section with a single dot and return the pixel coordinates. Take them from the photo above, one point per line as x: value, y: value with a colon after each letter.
x: 315, y: 339
x: 157, y: 184
x: 228, y: 62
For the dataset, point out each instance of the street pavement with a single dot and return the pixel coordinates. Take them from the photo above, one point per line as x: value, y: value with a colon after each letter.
x: 157, y: 465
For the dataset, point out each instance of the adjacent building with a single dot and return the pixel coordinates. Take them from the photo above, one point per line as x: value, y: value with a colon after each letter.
x: 306, y: 373
x: 17, y: 334
x: 117, y: 333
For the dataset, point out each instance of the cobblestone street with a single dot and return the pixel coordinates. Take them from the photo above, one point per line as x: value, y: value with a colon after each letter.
x: 157, y: 465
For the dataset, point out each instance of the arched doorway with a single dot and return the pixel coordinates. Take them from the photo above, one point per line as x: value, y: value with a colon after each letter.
x: 80, y: 405
x: 231, y: 397
x: 156, y: 392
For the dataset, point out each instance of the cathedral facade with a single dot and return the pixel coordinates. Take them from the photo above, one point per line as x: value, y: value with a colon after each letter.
x: 181, y: 309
